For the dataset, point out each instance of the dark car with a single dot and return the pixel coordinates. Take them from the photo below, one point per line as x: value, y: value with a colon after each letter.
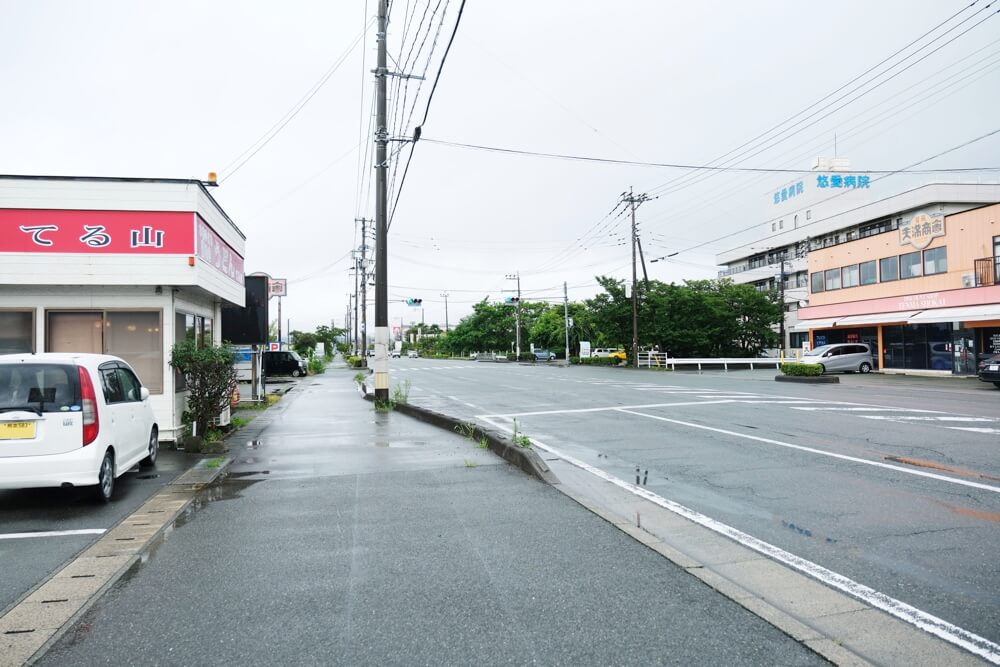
x: 284, y: 363
x: 544, y: 355
x: 989, y: 370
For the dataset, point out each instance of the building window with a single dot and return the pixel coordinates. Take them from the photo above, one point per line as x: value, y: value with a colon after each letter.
x: 935, y: 261
x: 809, y: 214
x: 16, y: 331
x: 832, y: 279
x: 781, y: 224
x: 869, y: 274
x: 134, y: 336
x: 909, y: 265
x: 774, y: 226
x: 795, y: 221
x: 849, y: 275
x: 817, y: 282
x: 889, y: 269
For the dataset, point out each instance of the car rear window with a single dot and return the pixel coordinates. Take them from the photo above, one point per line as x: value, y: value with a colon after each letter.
x: 42, y: 387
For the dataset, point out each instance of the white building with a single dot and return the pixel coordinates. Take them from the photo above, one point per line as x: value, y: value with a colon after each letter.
x: 121, y: 266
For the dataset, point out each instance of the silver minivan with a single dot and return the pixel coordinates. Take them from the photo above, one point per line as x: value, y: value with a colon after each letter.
x: 845, y: 357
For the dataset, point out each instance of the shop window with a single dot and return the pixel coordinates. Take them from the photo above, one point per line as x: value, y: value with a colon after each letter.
x: 935, y: 261
x: 16, y: 331
x: 818, y: 283
x: 832, y: 279
x: 868, y: 273
x: 909, y: 265
x: 889, y: 269
x: 849, y: 276
x: 135, y: 336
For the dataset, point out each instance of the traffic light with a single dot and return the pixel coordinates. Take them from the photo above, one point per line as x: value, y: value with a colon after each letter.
x: 414, y: 302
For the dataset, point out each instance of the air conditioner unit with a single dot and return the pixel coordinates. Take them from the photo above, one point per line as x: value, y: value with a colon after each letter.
x: 968, y: 280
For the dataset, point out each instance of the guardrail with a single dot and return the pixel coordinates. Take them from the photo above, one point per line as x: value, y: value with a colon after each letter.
x: 661, y: 360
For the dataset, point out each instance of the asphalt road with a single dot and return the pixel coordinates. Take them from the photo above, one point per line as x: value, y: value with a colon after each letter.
x: 32, y: 523
x: 891, y: 481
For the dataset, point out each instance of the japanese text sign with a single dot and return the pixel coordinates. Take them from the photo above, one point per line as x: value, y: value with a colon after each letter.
x: 96, y: 232
x: 920, y: 230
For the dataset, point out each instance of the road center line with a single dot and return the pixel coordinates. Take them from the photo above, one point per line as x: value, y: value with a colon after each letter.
x: 52, y: 533
x: 812, y: 450
x: 938, y: 627
x: 609, y: 409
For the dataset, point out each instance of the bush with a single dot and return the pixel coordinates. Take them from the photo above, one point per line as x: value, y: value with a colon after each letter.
x: 600, y: 361
x: 526, y: 356
x: 316, y: 365
x: 574, y: 360
x: 802, y: 370
x: 356, y: 362
x: 210, y: 376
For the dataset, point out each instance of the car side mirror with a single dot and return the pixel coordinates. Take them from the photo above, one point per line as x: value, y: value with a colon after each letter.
x: 143, y: 394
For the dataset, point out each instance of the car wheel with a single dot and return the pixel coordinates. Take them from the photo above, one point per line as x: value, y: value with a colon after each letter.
x: 296, y: 373
x: 106, y: 478
x: 865, y: 367
x: 154, y: 449
x: 997, y: 384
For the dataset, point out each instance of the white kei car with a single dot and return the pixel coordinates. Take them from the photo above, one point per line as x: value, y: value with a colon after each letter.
x: 69, y: 419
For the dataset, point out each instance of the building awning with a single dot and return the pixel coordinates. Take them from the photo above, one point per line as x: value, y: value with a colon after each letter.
x: 876, y: 318
x: 806, y: 325
x: 961, y: 314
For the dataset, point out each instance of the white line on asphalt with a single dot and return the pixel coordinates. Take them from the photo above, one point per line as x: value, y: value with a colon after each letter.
x: 458, y: 400
x: 923, y: 418
x: 929, y: 623
x: 52, y: 533
x: 872, y: 409
x: 973, y: 429
x: 611, y: 409
x: 812, y: 450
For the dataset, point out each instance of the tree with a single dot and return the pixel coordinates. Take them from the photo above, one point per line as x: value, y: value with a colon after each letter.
x: 489, y: 327
x: 328, y: 336
x: 304, y: 343
x: 210, y: 376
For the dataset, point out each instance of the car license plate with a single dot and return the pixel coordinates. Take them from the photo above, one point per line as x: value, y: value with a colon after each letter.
x: 995, y: 367
x: 17, y: 430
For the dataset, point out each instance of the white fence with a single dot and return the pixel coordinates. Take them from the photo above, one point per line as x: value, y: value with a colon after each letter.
x: 661, y: 360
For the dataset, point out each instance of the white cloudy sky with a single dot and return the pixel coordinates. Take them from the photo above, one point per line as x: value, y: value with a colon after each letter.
x: 178, y: 89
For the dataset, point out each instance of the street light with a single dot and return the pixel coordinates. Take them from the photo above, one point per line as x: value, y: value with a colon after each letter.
x: 517, y: 318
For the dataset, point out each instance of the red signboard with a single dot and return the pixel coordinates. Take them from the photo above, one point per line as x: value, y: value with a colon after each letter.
x: 217, y: 252
x: 97, y: 232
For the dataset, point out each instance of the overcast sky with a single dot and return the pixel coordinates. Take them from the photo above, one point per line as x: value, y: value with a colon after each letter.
x: 182, y: 88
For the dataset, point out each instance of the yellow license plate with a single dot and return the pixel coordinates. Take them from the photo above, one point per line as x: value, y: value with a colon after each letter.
x: 17, y: 430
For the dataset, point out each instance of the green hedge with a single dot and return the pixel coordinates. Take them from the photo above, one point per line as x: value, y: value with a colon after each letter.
x: 596, y: 361
x: 803, y: 370
x: 356, y: 362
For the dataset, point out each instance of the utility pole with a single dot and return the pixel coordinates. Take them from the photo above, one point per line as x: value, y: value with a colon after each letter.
x: 517, y: 318
x: 364, y: 285
x: 381, y: 217
x: 357, y: 346
x: 445, y: 295
x: 566, y: 316
x: 279, y: 322
x: 632, y: 200
x: 781, y: 323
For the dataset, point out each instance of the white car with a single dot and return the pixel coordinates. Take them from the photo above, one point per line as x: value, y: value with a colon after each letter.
x: 69, y: 419
x: 412, y: 354
x: 394, y: 354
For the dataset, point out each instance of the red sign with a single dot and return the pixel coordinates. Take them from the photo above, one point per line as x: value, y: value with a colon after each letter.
x: 97, y: 232
x: 217, y: 252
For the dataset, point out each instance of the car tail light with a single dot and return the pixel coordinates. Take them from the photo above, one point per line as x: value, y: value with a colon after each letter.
x: 88, y: 399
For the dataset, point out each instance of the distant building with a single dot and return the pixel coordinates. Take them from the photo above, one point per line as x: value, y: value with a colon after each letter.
x: 121, y: 266
x: 913, y: 273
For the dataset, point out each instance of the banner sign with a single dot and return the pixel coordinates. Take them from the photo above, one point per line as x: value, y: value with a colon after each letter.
x: 217, y: 252
x: 97, y: 232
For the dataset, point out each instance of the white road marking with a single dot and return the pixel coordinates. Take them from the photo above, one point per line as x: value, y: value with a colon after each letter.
x: 812, y: 450
x: 936, y: 418
x: 872, y: 409
x: 52, y: 533
x: 610, y: 409
x: 929, y: 623
x: 973, y: 429
x: 458, y: 400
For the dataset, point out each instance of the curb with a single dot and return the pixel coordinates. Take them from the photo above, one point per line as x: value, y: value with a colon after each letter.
x: 808, y: 379
x: 524, y: 458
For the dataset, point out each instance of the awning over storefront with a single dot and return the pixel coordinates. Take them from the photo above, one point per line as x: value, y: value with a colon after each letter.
x: 875, y: 318
x: 962, y: 314
x: 806, y: 325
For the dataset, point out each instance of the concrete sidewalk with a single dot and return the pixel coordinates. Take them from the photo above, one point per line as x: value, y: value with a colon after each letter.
x: 343, y: 536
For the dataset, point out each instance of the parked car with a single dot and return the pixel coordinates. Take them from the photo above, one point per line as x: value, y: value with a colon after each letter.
x: 841, y: 357
x: 285, y: 362
x: 544, y: 355
x: 609, y: 352
x: 394, y: 354
x: 412, y: 354
x: 70, y: 419
x: 989, y: 370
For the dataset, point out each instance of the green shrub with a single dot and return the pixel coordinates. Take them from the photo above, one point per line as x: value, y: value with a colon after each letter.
x: 316, y: 366
x: 210, y: 378
x: 356, y: 362
x: 574, y: 360
x: 526, y: 356
x: 802, y: 370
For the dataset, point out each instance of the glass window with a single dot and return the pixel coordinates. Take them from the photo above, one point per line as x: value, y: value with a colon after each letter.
x: 809, y: 214
x: 207, y: 331
x: 832, y: 279
x: 75, y: 332
x: 909, y: 265
x: 849, y: 276
x: 131, y: 387
x: 817, y: 282
x: 135, y: 337
x: 189, y: 327
x: 889, y: 269
x: 111, y: 384
x: 15, y: 332
x: 935, y: 261
x: 869, y: 274
x: 180, y: 334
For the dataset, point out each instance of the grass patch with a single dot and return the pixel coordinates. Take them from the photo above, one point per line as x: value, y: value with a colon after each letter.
x: 520, y: 439
x: 470, y: 464
x: 215, y: 463
x: 401, y: 393
x: 467, y: 430
x: 484, y: 443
